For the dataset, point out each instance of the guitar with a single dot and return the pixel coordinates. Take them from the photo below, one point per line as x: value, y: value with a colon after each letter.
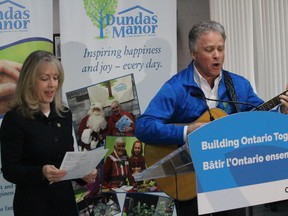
x: 186, y: 184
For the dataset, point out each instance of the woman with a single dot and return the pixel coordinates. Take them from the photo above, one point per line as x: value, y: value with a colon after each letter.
x: 136, y: 162
x: 34, y: 136
x: 116, y: 166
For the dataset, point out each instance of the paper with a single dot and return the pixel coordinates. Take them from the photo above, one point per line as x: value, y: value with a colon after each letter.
x: 124, y: 188
x: 79, y: 164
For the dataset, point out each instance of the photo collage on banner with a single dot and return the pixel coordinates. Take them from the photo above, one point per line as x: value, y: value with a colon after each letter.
x: 22, y: 31
x: 96, y: 125
x: 116, y: 56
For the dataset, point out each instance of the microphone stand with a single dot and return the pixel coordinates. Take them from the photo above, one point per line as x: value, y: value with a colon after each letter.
x: 202, y: 97
x: 236, y: 102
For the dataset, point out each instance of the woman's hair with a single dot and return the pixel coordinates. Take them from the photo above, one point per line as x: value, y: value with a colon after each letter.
x: 119, y: 140
x: 132, y: 149
x: 27, y: 100
x: 202, y: 27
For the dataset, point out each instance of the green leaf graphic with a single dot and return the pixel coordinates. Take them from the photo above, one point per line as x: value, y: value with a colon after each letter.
x: 99, y: 12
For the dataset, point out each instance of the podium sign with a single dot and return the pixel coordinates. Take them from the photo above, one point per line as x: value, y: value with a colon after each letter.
x: 241, y: 160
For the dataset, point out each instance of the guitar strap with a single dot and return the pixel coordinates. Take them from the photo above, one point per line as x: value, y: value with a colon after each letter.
x: 231, y: 90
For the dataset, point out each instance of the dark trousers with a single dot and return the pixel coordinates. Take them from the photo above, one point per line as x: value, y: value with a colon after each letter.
x: 189, y: 208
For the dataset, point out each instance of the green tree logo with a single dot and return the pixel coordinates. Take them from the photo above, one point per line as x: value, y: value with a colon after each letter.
x: 98, y: 11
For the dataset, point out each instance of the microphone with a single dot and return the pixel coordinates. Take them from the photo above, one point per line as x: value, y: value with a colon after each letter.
x: 200, y: 95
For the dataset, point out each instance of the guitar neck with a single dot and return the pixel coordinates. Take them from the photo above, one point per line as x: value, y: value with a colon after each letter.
x: 271, y: 103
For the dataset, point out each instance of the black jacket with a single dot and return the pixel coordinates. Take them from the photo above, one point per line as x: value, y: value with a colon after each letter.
x: 27, y: 145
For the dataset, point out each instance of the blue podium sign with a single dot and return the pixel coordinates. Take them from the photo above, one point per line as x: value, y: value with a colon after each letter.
x: 241, y: 160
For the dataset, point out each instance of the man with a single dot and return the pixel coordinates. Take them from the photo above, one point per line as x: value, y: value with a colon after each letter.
x: 92, y: 127
x: 120, y: 123
x: 179, y: 100
x: 116, y: 166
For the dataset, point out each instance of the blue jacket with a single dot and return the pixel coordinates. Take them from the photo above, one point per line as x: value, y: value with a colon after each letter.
x: 174, y: 104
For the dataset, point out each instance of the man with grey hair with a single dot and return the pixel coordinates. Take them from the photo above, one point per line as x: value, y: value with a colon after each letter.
x: 180, y: 99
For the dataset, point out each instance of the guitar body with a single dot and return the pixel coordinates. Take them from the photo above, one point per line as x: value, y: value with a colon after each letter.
x: 186, y: 184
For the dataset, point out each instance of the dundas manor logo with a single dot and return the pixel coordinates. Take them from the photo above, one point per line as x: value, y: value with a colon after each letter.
x: 13, y: 16
x: 136, y: 21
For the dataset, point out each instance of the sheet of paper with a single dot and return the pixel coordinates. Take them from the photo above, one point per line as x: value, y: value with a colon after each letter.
x: 79, y: 164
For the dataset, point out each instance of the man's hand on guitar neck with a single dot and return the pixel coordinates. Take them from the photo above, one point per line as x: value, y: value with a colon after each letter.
x: 284, y: 101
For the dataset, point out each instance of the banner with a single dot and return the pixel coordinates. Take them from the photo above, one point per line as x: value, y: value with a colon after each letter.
x: 115, y: 51
x: 25, y: 26
x: 101, y: 42
x: 240, y: 161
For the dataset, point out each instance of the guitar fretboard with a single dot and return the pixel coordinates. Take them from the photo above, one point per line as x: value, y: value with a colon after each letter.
x: 271, y: 103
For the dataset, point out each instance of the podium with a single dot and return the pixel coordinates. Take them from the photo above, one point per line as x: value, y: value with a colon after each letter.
x: 240, y: 161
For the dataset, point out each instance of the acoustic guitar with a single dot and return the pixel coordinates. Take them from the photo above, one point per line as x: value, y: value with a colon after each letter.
x: 184, y: 187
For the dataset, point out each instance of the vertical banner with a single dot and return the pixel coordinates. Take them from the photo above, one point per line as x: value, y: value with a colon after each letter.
x: 120, y: 51
x: 25, y: 26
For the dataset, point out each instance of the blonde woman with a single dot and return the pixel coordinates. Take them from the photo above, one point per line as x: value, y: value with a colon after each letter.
x: 34, y: 136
